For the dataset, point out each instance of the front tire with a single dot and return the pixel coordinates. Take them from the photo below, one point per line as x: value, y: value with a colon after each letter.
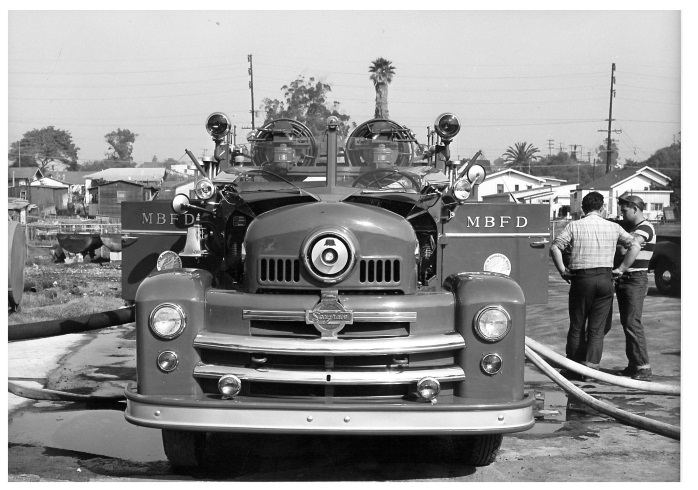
x: 477, y: 450
x: 666, y: 277
x: 184, y: 449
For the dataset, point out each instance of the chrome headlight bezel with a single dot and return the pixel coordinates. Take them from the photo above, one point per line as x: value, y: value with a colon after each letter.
x: 462, y: 190
x: 180, y: 321
x: 481, y: 321
x: 204, y: 189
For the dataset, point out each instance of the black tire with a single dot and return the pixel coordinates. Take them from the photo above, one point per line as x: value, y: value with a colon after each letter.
x: 477, y: 450
x: 666, y: 277
x: 184, y: 449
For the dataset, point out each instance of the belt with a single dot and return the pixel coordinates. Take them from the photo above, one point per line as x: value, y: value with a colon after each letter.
x: 591, y: 270
x: 634, y: 273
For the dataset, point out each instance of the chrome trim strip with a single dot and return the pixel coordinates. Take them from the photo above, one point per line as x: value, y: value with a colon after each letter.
x: 330, y: 347
x: 154, y: 232
x: 486, y: 235
x: 359, y: 316
x: 332, y: 377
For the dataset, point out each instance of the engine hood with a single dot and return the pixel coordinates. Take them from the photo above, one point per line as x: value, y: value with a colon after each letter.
x: 367, y: 248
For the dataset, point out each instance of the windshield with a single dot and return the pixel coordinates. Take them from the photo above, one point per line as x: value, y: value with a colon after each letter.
x: 377, y: 157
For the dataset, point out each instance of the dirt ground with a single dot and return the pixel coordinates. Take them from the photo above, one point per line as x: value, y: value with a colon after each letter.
x: 66, y: 290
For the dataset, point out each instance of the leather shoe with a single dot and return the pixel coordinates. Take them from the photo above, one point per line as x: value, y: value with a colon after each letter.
x: 643, y: 374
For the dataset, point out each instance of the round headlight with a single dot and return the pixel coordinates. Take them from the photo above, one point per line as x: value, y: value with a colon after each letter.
x: 204, y: 189
x: 491, y: 364
x: 169, y: 260
x: 461, y: 190
x: 167, y: 320
x: 447, y: 126
x: 329, y: 256
x: 218, y: 125
x: 492, y: 323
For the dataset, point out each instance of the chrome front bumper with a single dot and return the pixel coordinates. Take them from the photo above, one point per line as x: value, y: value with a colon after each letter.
x: 287, y: 416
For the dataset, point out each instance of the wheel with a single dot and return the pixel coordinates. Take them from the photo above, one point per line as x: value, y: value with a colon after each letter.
x: 477, y: 450
x: 666, y: 277
x: 184, y: 449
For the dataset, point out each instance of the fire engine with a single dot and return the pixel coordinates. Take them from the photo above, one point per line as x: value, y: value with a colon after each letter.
x: 333, y: 287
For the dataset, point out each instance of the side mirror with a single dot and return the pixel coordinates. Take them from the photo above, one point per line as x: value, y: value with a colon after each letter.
x: 180, y: 203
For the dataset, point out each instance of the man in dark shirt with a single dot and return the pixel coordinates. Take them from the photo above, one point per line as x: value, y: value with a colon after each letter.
x: 631, y: 287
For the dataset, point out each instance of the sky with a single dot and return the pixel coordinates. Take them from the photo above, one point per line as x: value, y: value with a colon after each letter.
x: 537, y: 76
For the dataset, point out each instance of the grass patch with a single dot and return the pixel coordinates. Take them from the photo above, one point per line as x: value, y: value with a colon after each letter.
x: 37, y: 308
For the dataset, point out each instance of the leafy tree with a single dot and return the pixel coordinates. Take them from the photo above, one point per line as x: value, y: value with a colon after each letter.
x: 519, y: 156
x: 19, y: 152
x: 382, y: 72
x: 46, y: 145
x: 121, y: 144
x: 306, y: 101
x: 603, y: 154
x: 667, y: 160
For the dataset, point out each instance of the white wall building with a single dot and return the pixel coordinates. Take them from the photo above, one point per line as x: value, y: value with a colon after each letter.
x: 633, y: 181
x: 508, y: 181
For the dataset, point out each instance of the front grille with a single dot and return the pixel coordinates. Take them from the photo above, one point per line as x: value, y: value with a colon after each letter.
x: 379, y: 271
x: 273, y: 270
x: 355, y: 330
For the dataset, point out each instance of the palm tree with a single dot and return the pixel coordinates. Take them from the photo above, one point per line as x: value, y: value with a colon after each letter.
x: 520, y: 155
x: 382, y: 72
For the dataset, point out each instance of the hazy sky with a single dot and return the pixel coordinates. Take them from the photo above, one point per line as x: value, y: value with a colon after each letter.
x: 542, y: 76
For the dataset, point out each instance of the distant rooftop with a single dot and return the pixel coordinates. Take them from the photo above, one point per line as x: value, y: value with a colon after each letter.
x: 132, y: 174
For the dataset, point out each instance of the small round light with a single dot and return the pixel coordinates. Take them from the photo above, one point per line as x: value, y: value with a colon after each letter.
x: 229, y: 385
x: 492, y: 323
x: 168, y: 361
x: 167, y: 320
x: 169, y: 260
x: 204, y: 189
x: 428, y: 388
x: 461, y: 190
x: 218, y: 125
x: 447, y: 126
x: 491, y: 364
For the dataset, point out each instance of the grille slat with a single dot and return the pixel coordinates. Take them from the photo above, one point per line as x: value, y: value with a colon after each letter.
x: 279, y: 271
x: 379, y: 271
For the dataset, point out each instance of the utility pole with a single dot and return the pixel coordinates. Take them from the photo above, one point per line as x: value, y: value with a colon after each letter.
x: 551, y: 144
x: 610, y: 117
x: 249, y: 70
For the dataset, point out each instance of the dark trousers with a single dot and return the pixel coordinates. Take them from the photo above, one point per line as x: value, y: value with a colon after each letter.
x: 631, y: 290
x: 590, y: 303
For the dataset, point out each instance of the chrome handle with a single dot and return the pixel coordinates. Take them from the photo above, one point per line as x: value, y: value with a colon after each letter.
x: 540, y: 244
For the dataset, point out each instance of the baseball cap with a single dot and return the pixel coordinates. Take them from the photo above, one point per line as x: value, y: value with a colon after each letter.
x: 632, y: 199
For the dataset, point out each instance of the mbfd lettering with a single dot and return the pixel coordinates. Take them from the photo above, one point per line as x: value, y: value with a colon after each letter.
x: 159, y: 219
x: 494, y: 221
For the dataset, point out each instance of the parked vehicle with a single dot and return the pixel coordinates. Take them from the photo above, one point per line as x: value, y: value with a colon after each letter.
x: 666, y: 259
x: 333, y: 289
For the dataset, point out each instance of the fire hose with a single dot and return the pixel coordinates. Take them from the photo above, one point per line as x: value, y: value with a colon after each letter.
x: 52, y: 328
x: 634, y: 420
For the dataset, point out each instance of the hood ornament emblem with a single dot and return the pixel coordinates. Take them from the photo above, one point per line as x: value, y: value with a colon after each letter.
x: 329, y: 316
